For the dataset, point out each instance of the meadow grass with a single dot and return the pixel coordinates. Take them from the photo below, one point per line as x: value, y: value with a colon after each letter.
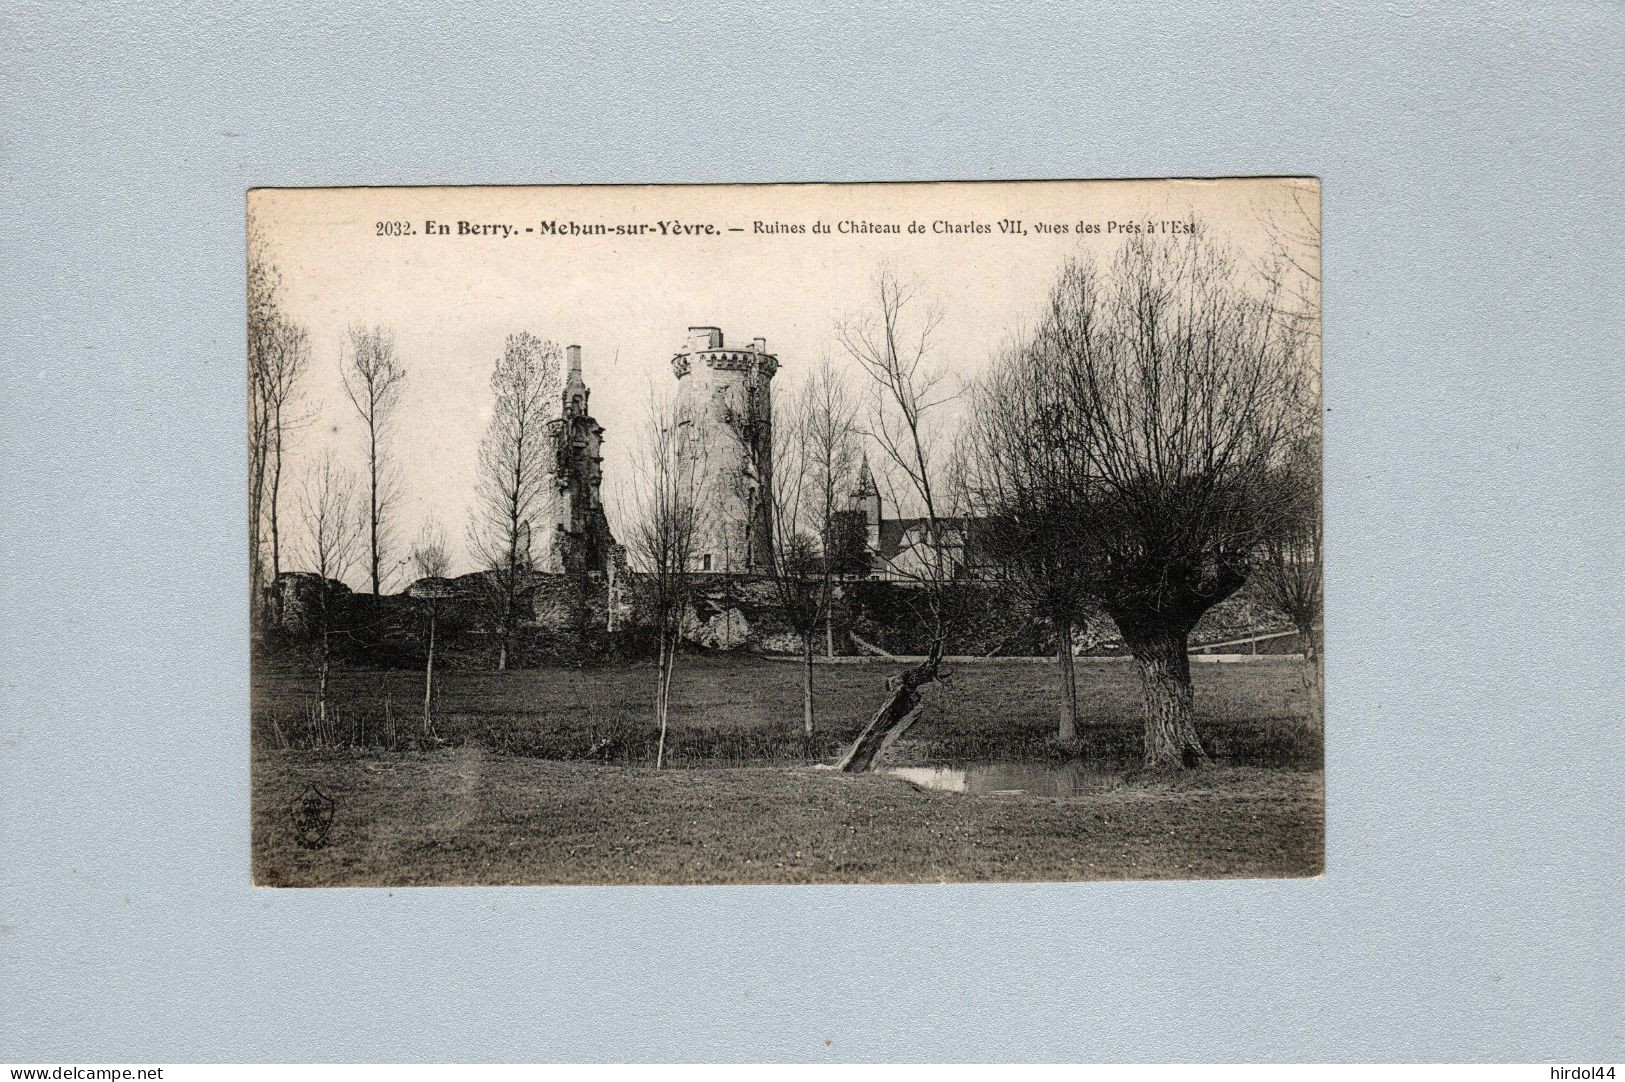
x: 737, y: 710
x: 472, y: 816
x: 543, y: 776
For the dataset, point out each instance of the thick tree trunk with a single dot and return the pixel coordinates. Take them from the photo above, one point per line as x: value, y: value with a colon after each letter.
x: 1171, y: 742
x: 894, y: 717
x: 1069, y: 683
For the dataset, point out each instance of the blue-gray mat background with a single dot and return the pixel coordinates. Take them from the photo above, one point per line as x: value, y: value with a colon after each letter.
x: 1471, y: 158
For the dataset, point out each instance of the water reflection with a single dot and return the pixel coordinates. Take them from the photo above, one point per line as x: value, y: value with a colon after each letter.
x: 1012, y: 779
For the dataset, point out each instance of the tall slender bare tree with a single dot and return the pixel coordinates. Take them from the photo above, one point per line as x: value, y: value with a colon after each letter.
x: 1287, y: 568
x: 1288, y: 573
x: 516, y: 464
x: 332, y: 546
x: 894, y: 344
x: 372, y: 377
x: 668, y: 519
x: 815, y: 456
x: 278, y: 355
x: 1022, y: 483
x: 430, y: 561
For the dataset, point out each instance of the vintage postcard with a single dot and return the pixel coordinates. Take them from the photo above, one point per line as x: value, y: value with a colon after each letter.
x: 804, y: 533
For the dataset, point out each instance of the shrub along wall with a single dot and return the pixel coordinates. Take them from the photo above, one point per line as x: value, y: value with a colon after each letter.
x: 567, y: 618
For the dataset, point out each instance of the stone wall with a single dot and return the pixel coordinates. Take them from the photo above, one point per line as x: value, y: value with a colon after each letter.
x: 590, y: 615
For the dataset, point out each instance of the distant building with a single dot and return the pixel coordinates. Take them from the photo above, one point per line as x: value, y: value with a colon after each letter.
x: 725, y: 407
x: 870, y: 545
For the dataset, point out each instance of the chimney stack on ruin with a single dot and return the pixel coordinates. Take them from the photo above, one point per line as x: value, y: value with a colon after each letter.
x: 704, y: 338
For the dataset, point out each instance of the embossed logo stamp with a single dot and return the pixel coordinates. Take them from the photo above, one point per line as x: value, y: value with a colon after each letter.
x: 312, y: 814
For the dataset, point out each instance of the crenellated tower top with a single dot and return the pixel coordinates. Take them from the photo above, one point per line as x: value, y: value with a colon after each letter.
x: 705, y: 346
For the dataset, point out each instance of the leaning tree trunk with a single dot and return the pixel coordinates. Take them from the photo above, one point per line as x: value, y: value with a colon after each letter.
x: 1069, y: 683
x: 894, y: 717
x: 1164, y: 662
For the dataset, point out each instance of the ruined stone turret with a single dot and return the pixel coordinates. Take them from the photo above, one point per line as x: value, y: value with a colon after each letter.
x: 576, y: 537
x: 725, y: 397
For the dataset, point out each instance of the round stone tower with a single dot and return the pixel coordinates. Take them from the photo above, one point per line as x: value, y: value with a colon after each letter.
x: 726, y: 397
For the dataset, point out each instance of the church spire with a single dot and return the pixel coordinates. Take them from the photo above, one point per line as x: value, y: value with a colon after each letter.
x: 866, y: 498
x: 866, y: 480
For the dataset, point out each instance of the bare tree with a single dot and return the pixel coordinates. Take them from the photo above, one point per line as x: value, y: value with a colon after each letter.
x: 1293, y: 264
x: 814, y: 452
x: 278, y: 355
x: 327, y: 510
x: 372, y: 381
x: 893, y: 344
x: 667, y: 521
x: 1288, y: 572
x: 1022, y: 480
x: 262, y: 279
x: 516, y: 463
x: 1182, y: 383
x: 1287, y: 569
x: 430, y: 561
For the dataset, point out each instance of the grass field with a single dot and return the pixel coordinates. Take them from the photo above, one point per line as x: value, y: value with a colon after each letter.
x: 742, y: 710
x: 471, y: 816
x: 543, y: 776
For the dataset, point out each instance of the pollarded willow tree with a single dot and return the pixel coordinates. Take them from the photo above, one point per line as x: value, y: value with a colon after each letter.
x: 516, y: 463
x: 1181, y: 385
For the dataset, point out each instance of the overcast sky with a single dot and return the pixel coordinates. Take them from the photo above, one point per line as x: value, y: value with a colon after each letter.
x: 628, y: 300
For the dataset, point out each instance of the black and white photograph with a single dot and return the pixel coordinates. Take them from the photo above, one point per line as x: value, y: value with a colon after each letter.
x: 785, y: 534
x: 610, y: 539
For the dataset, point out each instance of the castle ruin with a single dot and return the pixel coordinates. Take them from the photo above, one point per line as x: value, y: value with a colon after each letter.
x: 575, y: 535
x: 725, y: 403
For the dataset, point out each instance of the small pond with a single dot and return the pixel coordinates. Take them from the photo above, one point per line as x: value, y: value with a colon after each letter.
x: 1012, y: 778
